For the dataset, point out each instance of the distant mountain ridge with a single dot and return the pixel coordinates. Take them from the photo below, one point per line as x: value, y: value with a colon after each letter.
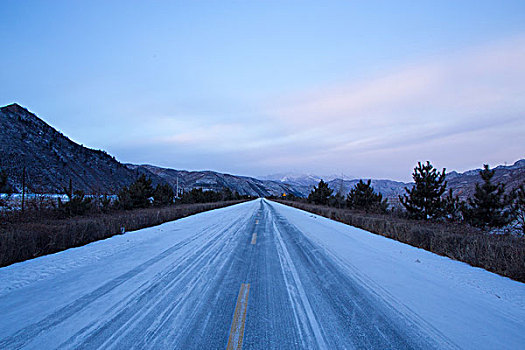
x: 463, y: 184
x: 51, y: 159
x: 211, y: 180
x: 303, y: 181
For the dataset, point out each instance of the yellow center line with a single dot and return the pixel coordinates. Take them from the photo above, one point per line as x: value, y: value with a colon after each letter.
x: 254, y: 238
x: 239, y: 318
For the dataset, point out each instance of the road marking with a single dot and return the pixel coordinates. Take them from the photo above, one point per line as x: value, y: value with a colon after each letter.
x: 239, y: 318
x: 254, y: 238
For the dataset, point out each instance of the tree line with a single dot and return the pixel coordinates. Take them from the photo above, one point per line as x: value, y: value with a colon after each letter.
x: 428, y: 199
x: 138, y: 195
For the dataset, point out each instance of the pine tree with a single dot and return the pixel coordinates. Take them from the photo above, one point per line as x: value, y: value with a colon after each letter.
x: 452, y: 206
x: 124, y: 199
x: 490, y: 206
x: 4, y: 184
x: 4, y: 188
x: 518, y: 207
x: 198, y: 195
x: 105, y: 203
x: 227, y: 194
x: 163, y: 195
x: 236, y: 195
x: 320, y: 194
x: 195, y: 195
x: 77, y: 204
x: 137, y: 195
x: 363, y: 197
x: 336, y: 201
x: 423, y: 200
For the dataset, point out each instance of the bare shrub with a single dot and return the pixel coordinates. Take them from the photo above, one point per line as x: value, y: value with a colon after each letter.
x: 34, y: 233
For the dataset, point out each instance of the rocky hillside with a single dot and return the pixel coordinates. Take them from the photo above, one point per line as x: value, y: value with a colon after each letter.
x: 464, y: 184
x: 51, y: 159
x: 388, y: 188
x: 210, y: 180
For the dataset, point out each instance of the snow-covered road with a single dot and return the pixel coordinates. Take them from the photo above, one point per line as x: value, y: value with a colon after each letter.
x: 258, y: 275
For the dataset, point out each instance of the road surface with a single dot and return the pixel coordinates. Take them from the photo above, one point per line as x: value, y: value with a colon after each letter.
x: 257, y: 275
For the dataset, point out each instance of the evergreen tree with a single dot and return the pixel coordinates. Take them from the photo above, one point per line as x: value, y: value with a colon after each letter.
x: 137, y: 195
x: 337, y: 200
x: 320, y: 194
x: 227, y: 194
x: 4, y: 188
x: 105, y: 203
x: 423, y: 200
x: 198, y: 195
x: 452, y: 206
x: 4, y: 184
x: 195, y: 195
x: 490, y: 206
x: 77, y: 204
x: 163, y: 195
x: 363, y: 197
x: 236, y: 195
x: 518, y: 207
x: 124, y: 199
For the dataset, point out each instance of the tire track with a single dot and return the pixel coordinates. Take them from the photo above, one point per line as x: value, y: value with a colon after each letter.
x: 340, y: 305
x: 159, y: 297
x: 28, y: 333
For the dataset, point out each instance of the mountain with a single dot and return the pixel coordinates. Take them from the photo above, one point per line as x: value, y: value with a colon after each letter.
x: 211, y: 180
x: 464, y: 184
x: 51, y: 159
x: 301, y: 183
x: 294, y: 179
x: 388, y: 188
x: 304, y: 180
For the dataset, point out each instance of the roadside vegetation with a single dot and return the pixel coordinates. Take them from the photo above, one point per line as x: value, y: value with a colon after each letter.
x: 46, y: 227
x: 486, y: 230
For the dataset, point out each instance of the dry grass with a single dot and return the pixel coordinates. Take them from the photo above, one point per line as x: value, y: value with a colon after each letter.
x: 39, y: 233
x: 502, y: 254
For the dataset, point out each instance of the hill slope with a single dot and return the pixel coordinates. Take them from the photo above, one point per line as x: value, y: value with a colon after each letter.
x: 464, y: 184
x: 51, y: 159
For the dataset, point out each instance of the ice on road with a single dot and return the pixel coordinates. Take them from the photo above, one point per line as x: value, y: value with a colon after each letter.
x: 258, y: 275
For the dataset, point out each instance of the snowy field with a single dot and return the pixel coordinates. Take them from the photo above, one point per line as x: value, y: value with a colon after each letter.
x: 258, y: 275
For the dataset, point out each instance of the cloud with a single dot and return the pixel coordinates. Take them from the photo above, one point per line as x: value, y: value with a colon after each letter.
x: 433, y: 109
x: 477, y: 89
x: 483, y: 77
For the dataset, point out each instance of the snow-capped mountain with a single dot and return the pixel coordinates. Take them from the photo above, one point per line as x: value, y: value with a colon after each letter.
x: 294, y: 178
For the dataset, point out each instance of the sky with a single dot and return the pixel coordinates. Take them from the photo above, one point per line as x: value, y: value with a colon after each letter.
x: 360, y: 88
